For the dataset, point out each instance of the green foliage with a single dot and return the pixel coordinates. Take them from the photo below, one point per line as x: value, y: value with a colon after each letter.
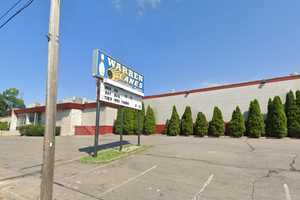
x: 35, y: 130
x: 255, y: 125
x: 4, y: 126
x: 279, y: 122
x: 201, y: 125
x: 293, y: 115
x: 9, y: 99
x: 149, y: 121
x: 298, y: 98
x: 129, y: 123
x: 236, y: 126
x: 165, y: 131
x: 140, y: 118
x: 187, y: 122
x: 216, y: 125
x: 269, y: 119
x: 118, y: 122
x: 174, y: 123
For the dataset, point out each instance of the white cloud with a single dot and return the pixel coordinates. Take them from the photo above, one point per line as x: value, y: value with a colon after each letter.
x: 141, y: 4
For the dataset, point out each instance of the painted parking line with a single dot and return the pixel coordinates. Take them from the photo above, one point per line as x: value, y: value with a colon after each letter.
x: 208, y: 181
x: 287, y: 192
x: 129, y: 180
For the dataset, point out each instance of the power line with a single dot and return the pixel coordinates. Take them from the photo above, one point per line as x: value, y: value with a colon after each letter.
x: 27, y: 4
x: 11, y: 8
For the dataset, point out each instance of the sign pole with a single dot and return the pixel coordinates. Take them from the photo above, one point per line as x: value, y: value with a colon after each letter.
x: 96, y: 139
x: 139, y: 128
x: 122, y: 128
x: 46, y: 190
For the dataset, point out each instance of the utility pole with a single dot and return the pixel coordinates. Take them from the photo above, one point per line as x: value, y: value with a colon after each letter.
x: 51, y: 95
x: 97, y: 130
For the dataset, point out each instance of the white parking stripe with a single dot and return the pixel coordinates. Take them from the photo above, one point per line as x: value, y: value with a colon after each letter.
x: 287, y: 192
x: 128, y: 180
x: 196, y: 197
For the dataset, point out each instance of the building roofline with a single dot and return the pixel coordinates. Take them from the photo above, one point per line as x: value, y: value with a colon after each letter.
x: 228, y: 86
x: 64, y: 106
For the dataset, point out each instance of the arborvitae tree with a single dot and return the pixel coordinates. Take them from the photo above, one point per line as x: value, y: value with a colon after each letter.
x: 298, y: 98
x: 174, y: 123
x: 269, y: 119
x: 216, y: 125
x: 293, y: 115
x: 140, y: 118
x: 129, y: 121
x: 165, y: 131
x: 187, y: 122
x: 236, y: 126
x: 149, y: 126
x: 201, y: 125
x: 118, y: 122
x: 255, y: 126
x: 279, y: 121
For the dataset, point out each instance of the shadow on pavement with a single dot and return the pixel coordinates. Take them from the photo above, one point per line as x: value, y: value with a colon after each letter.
x: 90, y: 149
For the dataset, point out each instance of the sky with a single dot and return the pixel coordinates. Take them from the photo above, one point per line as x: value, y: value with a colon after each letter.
x: 175, y: 44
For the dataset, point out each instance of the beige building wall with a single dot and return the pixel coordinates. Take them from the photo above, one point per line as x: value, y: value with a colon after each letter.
x: 225, y: 99
x: 107, y: 116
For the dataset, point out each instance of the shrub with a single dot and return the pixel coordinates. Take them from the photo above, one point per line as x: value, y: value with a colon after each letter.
x: 255, y: 126
x: 201, y: 125
x: 279, y: 121
x: 118, y: 121
x: 293, y: 115
x: 149, y: 121
x: 298, y: 98
x: 35, y: 130
x: 4, y: 126
x: 165, y: 131
x: 269, y: 118
x: 129, y: 122
x: 187, y: 122
x: 216, y: 125
x: 174, y: 123
x: 236, y: 126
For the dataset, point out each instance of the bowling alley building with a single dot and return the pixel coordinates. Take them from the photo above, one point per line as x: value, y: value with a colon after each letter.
x: 77, y: 116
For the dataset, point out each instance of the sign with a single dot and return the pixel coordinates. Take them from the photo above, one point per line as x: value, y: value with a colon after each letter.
x: 117, y: 74
x: 115, y: 95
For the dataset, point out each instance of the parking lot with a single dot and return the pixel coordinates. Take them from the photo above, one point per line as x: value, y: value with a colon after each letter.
x: 174, y: 168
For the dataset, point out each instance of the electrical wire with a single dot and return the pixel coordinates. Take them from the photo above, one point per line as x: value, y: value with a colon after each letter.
x: 27, y: 4
x: 11, y: 8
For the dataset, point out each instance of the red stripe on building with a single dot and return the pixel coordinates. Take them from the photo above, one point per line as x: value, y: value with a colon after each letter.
x: 90, y: 130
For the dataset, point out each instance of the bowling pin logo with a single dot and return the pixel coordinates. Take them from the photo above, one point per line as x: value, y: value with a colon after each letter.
x: 101, y: 66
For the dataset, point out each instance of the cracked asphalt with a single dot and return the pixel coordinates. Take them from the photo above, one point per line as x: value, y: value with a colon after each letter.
x: 175, y: 168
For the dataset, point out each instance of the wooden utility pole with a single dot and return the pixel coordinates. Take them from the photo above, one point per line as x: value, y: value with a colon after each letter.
x: 51, y: 95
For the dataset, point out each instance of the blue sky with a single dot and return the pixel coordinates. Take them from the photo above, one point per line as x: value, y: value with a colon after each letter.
x: 176, y: 44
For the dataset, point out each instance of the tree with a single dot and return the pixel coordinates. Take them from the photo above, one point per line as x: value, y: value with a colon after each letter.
x: 269, y: 119
x: 293, y: 115
x: 255, y: 126
x: 187, y: 122
x: 9, y: 99
x: 129, y: 121
x: 298, y: 98
x: 174, y: 123
x: 149, y: 121
x: 216, y: 125
x: 279, y: 121
x: 118, y: 121
x: 236, y: 126
x: 165, y: 130
x: 140, y: 118
x: 201, y: 125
